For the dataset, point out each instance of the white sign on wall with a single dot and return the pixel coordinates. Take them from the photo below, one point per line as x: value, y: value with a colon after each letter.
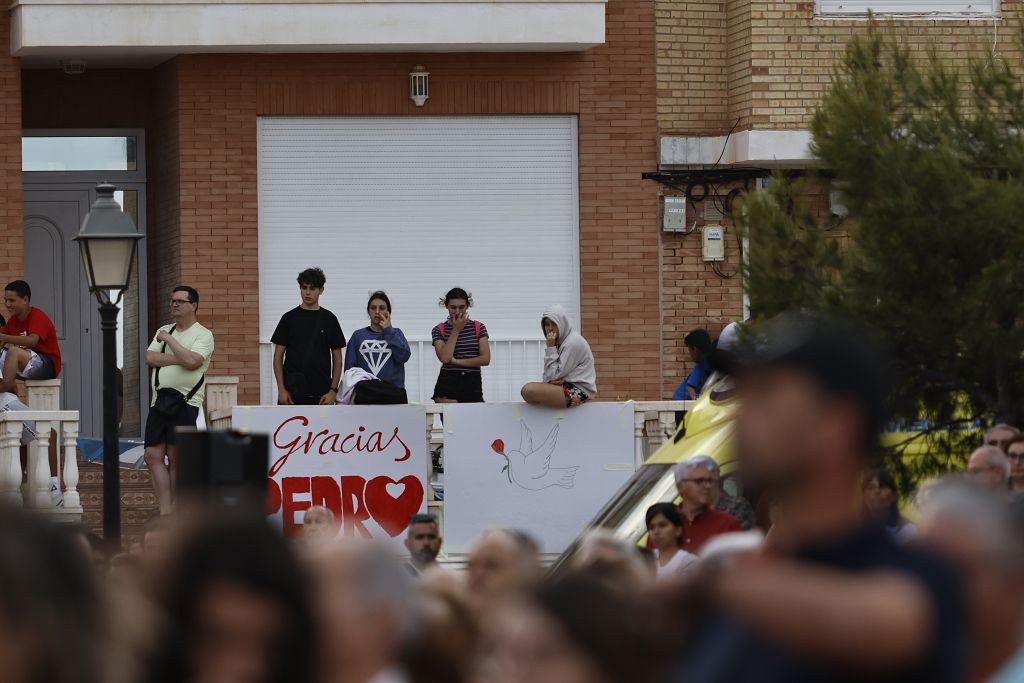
x: 547, y: 472
x: 368, y: 464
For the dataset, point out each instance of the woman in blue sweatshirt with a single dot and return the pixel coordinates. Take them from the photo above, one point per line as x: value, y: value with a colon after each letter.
x: 380, y: 349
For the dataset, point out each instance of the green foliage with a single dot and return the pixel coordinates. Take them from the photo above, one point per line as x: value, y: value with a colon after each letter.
x: 929, y: 160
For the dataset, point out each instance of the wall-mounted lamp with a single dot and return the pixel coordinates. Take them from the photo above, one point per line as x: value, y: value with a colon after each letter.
x: 419, y: 85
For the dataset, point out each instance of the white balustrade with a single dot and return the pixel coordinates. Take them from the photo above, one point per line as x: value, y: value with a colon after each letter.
x: 43, y: 394
x: 10, y: 461
x: 221, y: 397
x: 36, y: 493
x: 72, y: 501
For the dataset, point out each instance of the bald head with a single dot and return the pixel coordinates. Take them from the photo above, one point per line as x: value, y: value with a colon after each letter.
x: 501, y: 564
x: 362, y: 595
x: 989, y: 467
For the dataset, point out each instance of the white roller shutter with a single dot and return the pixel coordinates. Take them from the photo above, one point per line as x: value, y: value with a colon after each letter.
x: 414, y: 206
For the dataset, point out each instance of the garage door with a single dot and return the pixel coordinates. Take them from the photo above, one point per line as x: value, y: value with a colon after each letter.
x: 415, y: 206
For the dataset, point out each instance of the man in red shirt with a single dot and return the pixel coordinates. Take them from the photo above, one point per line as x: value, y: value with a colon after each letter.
x: 697, y: 480
x: 29, y: 338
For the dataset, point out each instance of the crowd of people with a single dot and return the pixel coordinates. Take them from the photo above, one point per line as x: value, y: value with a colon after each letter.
x: 312, y: 365
x: 841, y: 587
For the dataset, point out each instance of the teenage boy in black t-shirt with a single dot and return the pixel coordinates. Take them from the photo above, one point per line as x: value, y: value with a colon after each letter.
x: 307, y: 352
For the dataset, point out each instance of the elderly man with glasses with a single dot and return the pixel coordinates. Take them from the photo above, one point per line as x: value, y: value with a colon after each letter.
x: 179, y: 355
x: 697, y: 481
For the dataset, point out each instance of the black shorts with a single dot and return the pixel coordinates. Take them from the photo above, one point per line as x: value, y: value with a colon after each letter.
x: 464, y: 386
x: 160, y: 428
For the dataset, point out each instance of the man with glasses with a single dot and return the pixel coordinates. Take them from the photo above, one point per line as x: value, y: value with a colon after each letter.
x: 1015, y: 454
x: 179, y: 355
x: 989, y: 468
x: 697, y: 481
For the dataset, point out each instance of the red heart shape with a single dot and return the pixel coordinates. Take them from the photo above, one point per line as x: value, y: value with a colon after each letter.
x: 393, y: 513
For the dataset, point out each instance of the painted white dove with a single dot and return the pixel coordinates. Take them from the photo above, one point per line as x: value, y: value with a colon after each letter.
x: 531, y: 468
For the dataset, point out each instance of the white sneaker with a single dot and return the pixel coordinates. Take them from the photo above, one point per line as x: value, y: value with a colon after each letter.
x: 55, y: 494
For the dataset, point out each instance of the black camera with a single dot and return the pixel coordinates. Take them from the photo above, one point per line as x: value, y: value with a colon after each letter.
x: 223, y: 468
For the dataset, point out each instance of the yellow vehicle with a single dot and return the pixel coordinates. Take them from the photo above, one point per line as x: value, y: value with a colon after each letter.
x: 706, y: 430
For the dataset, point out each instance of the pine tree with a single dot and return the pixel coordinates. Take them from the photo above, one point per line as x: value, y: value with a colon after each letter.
x: 929, y: 161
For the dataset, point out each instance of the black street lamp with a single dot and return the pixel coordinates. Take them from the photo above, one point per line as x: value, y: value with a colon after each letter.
x: 107, y: 242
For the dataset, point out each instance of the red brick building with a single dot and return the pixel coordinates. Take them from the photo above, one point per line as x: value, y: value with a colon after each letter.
x: 199, y: 191
x: 252, y: 140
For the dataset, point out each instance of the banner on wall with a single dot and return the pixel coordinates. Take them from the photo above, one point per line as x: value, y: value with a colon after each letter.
x: 368, y: 464
x: 547, y: 472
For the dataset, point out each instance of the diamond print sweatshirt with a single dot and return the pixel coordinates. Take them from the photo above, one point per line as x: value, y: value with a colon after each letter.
x: 383, y: 354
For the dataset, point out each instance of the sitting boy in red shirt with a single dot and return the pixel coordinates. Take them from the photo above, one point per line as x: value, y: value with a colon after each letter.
x: 29, y: 338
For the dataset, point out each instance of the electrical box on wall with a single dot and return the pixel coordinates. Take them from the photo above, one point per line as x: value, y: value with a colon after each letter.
x: 714, y: 242
x: 674, y: 216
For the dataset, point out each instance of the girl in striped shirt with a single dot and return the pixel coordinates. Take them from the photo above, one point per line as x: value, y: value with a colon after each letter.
x: 461, y: 346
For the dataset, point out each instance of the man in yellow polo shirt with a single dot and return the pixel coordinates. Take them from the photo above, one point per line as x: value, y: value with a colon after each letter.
x: 179, y: 355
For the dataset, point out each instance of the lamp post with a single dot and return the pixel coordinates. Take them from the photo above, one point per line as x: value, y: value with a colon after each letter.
x: 107, y: 242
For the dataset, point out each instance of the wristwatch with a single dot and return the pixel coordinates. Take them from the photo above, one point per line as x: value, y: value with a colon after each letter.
x: 334, y: 389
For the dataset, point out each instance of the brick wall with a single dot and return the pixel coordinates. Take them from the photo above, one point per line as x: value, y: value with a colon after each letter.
x: 611, y: 88
x: 739, y: 76
x: 794, y: 51
x: 778, y: 58
x: 11, y: 221
x: 692, y: 50
x: 163, y: 189
x: 693, y: 294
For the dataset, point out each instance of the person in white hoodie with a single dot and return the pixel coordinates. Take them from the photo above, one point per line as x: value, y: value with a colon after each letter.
x: 569, y: 375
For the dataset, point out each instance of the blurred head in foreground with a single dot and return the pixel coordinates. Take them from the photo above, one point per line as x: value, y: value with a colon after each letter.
x: 573, y: 629
x: 602, y: 554
x: 363, y: 601
x: 235, y: 605
x: 989, y: 467
x: 502, y: 564
x: 441, y: 646
x: 984, y: 537
x: 1000, y: 435
x: 813, y: 404
x: 51, y: 626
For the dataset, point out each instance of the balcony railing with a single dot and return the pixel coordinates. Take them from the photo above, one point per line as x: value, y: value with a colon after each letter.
x: 654, y: 422
x: 35, y: 493
x: 514, y: 362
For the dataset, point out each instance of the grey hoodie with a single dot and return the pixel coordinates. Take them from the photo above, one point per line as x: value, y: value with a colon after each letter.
x: 570, y: 360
